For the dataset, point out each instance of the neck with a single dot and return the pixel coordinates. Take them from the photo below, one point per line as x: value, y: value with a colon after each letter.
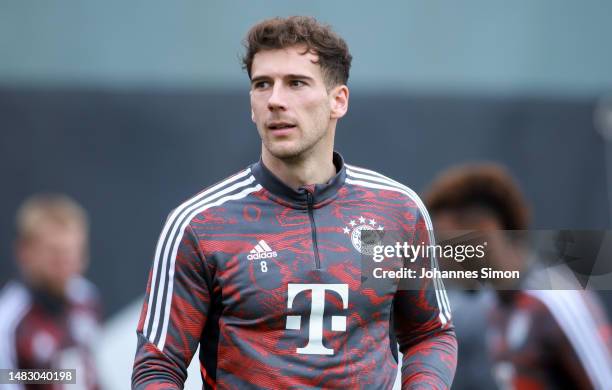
x: 50, y: 290
x: 313, y: 168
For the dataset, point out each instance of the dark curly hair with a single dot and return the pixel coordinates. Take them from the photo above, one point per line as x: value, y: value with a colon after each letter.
x: 279, y: 33
x: 480, y: 184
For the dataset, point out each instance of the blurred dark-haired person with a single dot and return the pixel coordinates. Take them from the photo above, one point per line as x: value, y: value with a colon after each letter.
x: 49, y: 318
x: 262, y: 270
x: 538, y: 339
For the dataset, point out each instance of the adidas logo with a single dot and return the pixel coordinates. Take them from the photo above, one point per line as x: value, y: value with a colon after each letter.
x: 261, y: 251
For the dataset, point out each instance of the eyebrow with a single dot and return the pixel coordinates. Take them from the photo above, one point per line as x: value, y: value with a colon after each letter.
x: 298, y: 76
x: 288, y: 76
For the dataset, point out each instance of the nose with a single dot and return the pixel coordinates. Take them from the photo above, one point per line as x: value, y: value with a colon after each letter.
x: 277, y: 101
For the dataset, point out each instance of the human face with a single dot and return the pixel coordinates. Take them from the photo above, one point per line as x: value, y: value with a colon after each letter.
x: 500, y: 253
x: 453, y: 224
x: 290, y: 104
x: 53, y: 255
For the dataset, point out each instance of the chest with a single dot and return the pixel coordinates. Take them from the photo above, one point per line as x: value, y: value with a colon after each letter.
x: 45, y: 339
x: 277, y: 258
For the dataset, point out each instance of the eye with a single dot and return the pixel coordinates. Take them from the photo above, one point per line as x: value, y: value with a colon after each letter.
x: 261, y: 84
x: 297, y: 83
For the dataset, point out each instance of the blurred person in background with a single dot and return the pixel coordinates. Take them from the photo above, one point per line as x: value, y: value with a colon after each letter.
x: 537, y: 339
x: 49, y: 318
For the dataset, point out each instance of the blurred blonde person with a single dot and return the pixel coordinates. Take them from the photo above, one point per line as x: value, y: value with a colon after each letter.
x: 51, y: 314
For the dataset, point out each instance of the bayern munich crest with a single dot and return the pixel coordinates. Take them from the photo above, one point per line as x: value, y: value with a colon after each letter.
x: 354, y: 229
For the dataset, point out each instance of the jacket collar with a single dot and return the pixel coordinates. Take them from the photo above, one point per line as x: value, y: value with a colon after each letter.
x: 315, y: 193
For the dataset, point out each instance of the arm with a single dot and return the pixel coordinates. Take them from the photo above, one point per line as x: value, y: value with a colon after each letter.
x: 423, y: 326
x: 174, y: 311
x: 574, y: 328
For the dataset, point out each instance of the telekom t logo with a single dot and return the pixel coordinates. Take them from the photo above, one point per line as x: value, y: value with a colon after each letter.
x: 315, y: 327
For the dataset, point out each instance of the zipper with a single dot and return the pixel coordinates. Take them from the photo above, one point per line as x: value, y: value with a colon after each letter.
x: 314, y: 230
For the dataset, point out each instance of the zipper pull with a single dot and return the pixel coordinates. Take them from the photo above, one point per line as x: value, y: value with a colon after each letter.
x: 309, y: 194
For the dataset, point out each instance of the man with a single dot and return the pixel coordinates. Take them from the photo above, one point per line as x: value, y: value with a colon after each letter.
x: 262, y: 270
x: 50, y: 317
x: 537, y: 339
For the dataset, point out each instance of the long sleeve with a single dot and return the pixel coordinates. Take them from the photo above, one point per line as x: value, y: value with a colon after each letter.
x: 175, y: 310
x: 423, y: 324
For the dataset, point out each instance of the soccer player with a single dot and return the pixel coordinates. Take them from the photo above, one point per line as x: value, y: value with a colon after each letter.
x: 49, y: 319
x: 263, y: 269
x: 537, y: 339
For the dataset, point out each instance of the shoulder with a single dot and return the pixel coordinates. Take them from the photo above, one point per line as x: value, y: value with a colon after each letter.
x: 563, y: 305
x: 370, y: 179
x: 569, y: 310
x: 584, y: 331
x: 231, y: 189
x: 13, y: 294
x: 15, y: 302
x: 81, y: 291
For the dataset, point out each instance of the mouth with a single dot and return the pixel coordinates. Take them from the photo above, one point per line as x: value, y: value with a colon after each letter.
x: 280, y: 125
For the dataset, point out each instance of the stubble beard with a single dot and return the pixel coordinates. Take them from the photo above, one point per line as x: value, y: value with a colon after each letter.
x: 297, y: 150
x: 306, y: 142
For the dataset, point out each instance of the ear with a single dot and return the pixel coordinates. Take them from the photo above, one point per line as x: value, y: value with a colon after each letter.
x: 339, y: 98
